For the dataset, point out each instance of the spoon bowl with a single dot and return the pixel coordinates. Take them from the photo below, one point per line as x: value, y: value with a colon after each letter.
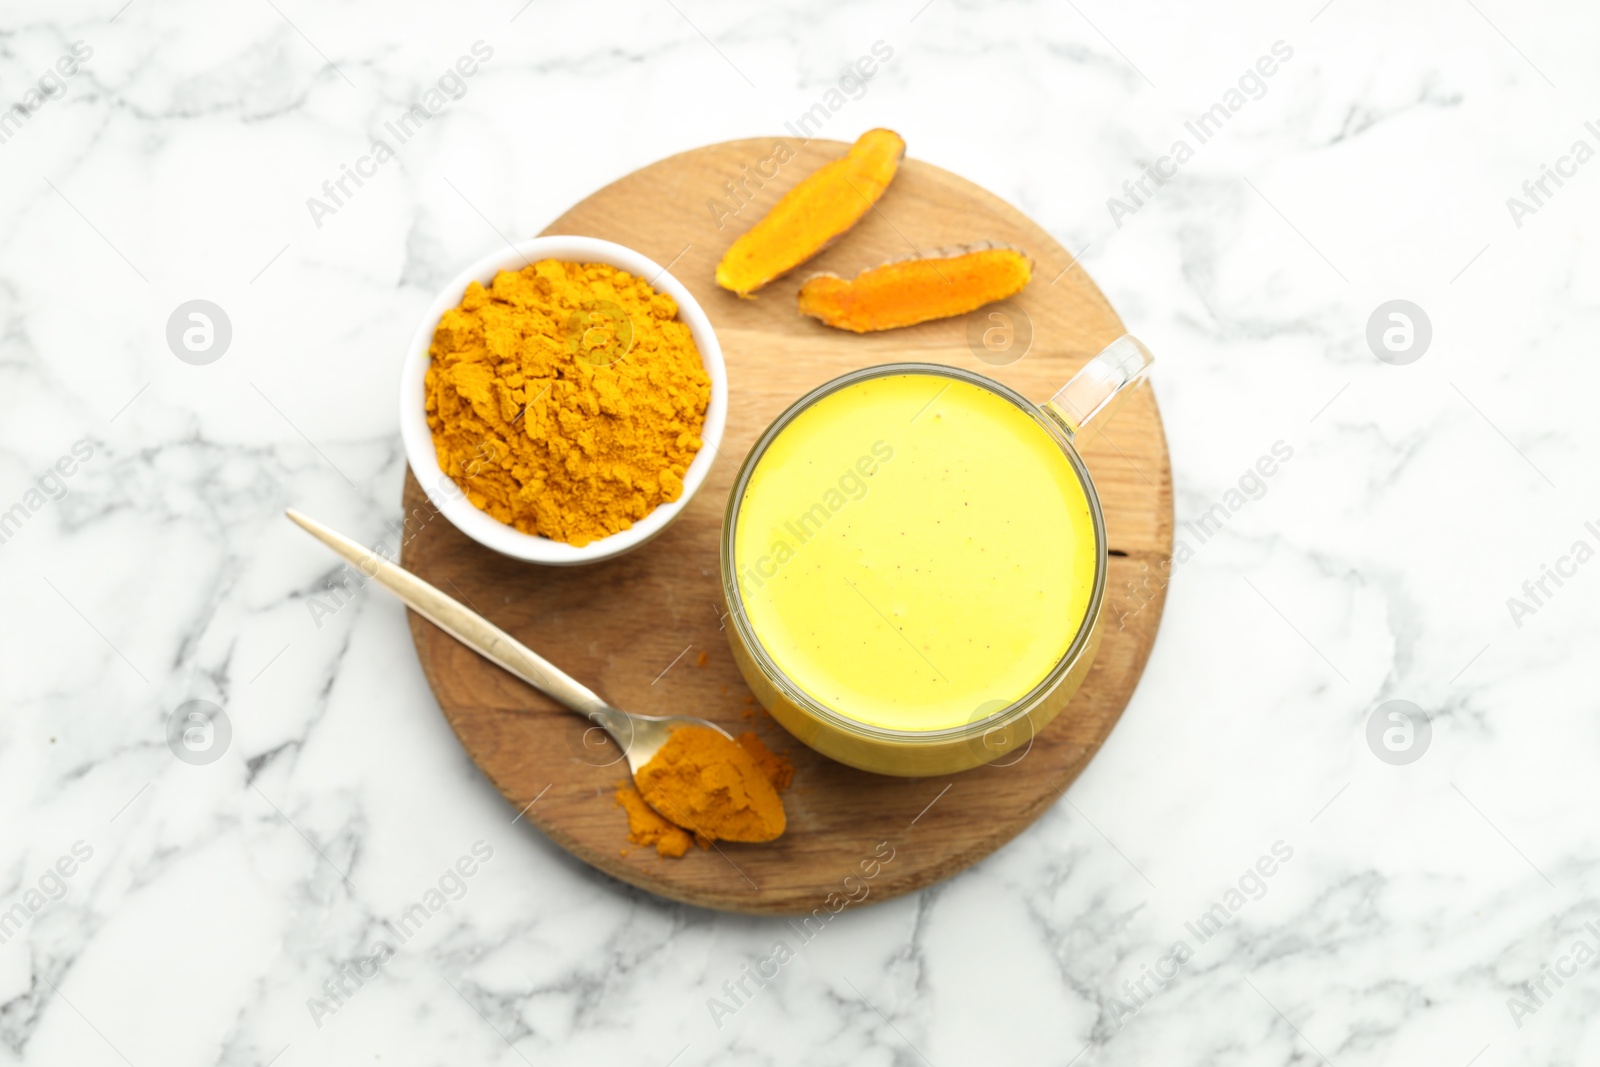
x: 641, y: 736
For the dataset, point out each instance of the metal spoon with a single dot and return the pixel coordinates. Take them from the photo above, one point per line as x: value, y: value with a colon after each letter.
x: 639, y: 736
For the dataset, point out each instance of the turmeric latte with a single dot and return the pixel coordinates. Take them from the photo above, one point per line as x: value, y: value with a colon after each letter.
x: 566, y: 399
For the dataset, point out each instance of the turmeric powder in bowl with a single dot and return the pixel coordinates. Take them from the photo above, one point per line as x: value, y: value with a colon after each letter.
x: 566, y: 399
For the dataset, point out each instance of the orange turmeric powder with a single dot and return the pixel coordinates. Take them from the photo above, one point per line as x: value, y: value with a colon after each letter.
x: 720, y: 790
x: 706, y: 783
x: 904, y: 292
x: 647, y: 827
x: 779, y: 771
x: 566, y: 399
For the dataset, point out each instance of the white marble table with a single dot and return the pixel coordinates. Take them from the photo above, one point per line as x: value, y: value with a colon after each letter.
x: 163, y: 913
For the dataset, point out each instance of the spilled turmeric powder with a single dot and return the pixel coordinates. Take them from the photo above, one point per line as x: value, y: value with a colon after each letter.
x: 904, y: 292
x: 647, y: 827
x: 825, y: 204
x: 696, y: 783
x: 566, y: 399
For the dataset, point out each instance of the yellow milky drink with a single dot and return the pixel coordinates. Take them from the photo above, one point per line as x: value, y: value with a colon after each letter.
x: 914, y: 552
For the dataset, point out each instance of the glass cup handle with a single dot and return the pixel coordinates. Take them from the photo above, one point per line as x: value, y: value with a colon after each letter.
x: 1120, y: 367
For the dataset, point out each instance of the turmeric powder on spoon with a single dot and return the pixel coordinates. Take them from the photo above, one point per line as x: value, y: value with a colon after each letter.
x: 701, y: 786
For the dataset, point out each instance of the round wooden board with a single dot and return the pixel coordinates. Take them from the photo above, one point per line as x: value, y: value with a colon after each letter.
x: 636, y: 629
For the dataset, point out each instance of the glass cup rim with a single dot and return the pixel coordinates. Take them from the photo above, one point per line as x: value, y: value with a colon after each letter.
x: 814, y: 707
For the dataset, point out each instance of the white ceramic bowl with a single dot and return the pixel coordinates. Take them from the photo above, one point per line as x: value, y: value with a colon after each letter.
x: 447, y: 496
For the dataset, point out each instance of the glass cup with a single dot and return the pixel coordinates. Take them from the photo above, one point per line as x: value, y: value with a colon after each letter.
x: 993, y: 732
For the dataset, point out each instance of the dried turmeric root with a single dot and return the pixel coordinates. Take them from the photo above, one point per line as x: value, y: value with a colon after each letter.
x: 904, y: 292
x: 824, y: 205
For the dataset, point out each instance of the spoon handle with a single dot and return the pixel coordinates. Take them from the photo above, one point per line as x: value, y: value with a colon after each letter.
x: 465, y: 625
